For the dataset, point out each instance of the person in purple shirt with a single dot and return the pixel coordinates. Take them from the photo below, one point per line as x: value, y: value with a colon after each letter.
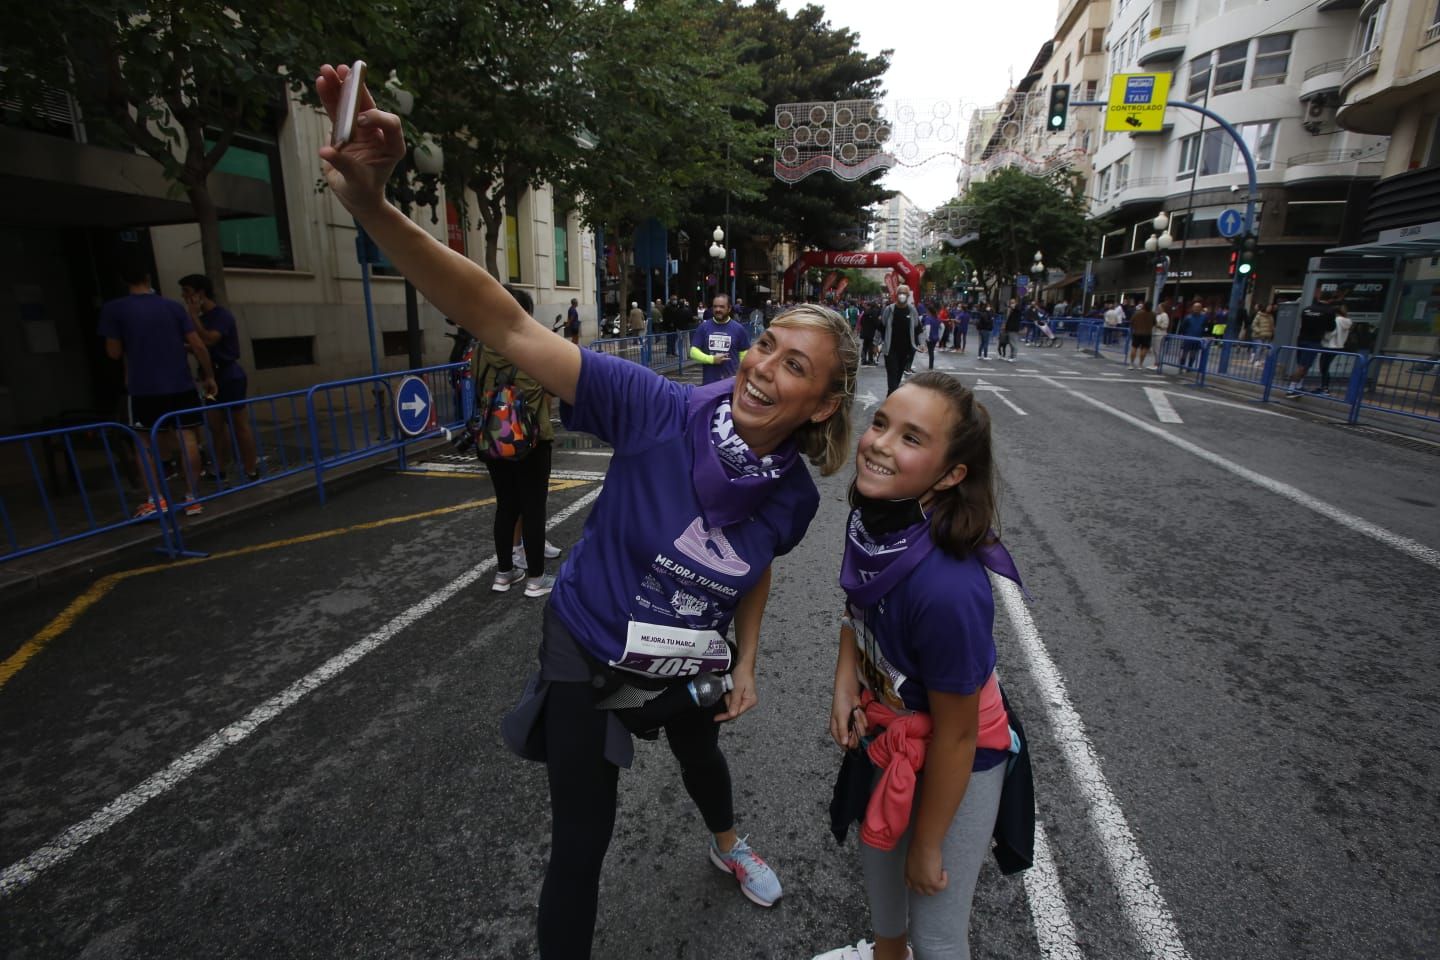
x: 151, y: 334
x: 639, y: 609
x: 719, y: 342
x: 216, y: 326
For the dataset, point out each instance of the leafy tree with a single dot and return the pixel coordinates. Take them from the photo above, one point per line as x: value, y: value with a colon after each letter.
x: 672, y: 123
x: 1016, y: 214
x: 500, y: 90
x: 178, y: 79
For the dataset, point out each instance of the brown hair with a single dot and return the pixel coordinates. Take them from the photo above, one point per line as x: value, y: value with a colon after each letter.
x: 827, y: 443
x: 965, y: 516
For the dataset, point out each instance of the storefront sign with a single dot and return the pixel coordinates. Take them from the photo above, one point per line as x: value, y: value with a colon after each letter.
x: 1363, y: 299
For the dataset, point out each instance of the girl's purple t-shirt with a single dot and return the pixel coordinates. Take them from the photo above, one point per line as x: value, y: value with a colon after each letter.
x: 933, y: 631
x: 646, y: 553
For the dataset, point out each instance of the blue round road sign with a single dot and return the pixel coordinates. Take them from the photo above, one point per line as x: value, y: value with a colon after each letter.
x: 412, y: 406
x: 1229, y: 223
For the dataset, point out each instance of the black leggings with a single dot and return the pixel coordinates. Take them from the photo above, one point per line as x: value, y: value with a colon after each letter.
x: 521, y: 487
x: 583, y: 787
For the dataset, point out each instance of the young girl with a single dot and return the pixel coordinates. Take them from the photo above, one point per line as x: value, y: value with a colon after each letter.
x: 915, y: 681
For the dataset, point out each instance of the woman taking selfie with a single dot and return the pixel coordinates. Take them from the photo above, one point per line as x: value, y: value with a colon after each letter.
x: 639, y: 609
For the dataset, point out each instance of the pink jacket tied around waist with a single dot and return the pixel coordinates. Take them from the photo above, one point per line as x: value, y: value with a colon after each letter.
x: 899, y: 754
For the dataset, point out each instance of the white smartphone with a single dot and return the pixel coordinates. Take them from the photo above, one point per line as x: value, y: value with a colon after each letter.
x: 349, y: 104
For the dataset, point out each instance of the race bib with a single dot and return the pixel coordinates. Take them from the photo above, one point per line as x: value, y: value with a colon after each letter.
x: 656, y: 650
x: 719, y: 343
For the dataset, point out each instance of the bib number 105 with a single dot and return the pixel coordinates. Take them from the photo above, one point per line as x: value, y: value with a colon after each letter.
x: 673, y: 666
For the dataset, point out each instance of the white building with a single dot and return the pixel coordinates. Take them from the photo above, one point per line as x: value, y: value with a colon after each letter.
x: 898, y: 226
x: 1270, y: 68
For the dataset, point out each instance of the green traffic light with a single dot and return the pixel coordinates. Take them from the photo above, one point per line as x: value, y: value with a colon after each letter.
x: 1245, y: 268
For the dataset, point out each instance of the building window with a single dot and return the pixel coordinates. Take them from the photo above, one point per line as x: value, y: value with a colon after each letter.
x: 1103, y: 190
x: 1067, y: 66
x: 560, y: 222
x: 1199, y: 77
x: 256, y: 241
x: 271, y: 352
x: 1216, y: 153
x: 1272, y: 60
x: 1097, y: 39
x: 1122, y: 174
x: 1189, y: 151
x: 1371, y: 29
x: 397, y: 342
x: 1090, y: 88
x: 1314, y: 218
x: 1230, y: 66
x: 512, y: 239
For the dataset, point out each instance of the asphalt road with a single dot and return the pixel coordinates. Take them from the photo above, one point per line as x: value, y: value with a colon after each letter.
x: 1227, y: 670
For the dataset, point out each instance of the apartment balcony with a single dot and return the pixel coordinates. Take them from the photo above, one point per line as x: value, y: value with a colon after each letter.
x: 1323, y: 79
x: 1142, y: 190
x: 1334, y: 165
x: 1163, y: 45
x: 1403, y: 200
x: 1362, y: 66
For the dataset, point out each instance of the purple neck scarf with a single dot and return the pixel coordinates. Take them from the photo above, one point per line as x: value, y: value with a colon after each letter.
x: 730, y: 481
x: 872, y: 566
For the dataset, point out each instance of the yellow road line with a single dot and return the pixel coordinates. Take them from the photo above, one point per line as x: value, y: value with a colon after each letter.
x: 64, y: 620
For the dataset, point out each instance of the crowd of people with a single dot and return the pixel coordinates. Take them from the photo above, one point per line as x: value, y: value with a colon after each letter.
x: 654, y: 627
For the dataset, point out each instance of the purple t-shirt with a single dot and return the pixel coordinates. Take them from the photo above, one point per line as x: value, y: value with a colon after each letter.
x: 730, y: 337
x: 646, y: 553
x: 225, y: 354
x: 933, y: 631
x: 153, y: 331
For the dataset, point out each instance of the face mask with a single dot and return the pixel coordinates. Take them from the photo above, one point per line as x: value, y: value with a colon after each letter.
x: 904, y: 299
x: 884, y: 517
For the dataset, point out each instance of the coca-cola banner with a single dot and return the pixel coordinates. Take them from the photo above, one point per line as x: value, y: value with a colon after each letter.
x: 903, y: 271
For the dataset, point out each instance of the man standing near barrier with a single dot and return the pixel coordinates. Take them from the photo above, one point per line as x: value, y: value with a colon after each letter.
x: 1142, y: 326
x: 1192, y: 327
x: 1317, y: 321
x: 719, y: 343
x: 150, y: 334
x: 216, y: 326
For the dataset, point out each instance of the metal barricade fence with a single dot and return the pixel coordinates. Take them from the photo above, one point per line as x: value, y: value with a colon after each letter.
x: 1406, y: 386
x: 94, y: 478
x: 1244, y: 361
x: 662, y: 352
x: 1332, y: 376
x: 1087, y: 335
x: 63, y: 485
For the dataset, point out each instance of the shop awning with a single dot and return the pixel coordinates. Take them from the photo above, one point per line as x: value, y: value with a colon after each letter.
x: 1420, y: 240
x: 1064, y: 281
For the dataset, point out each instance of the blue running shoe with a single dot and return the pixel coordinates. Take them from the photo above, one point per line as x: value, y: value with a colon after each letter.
x: 757, y: 881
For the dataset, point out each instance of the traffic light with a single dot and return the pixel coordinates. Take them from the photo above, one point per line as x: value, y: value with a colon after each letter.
x: 1234, y: 261
x: 1059, y: 105
x: 732, y: 269
x: 1246, y: 252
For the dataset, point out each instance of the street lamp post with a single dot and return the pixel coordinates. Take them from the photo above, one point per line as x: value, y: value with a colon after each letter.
x: 717, y: 252
x: 427, y: 160
x: 1158, y: 243
x: 1038, y: 268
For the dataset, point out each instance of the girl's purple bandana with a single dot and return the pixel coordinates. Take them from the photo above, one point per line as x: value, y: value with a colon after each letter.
x: 730, y: 481
x: 872, y: 566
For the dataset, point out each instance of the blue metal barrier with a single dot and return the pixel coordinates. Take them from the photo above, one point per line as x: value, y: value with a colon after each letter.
x: 664, y: 353
x: 1405, y: 386
x: 87, y: 487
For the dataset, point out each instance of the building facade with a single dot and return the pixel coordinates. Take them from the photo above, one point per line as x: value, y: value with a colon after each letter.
x: 1272, y: 70
x: 899, y: 226
x: 292, y: 275
x: 1390, y: 86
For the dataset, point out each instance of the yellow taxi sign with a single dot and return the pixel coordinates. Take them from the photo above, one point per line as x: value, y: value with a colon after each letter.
x: 1137, y: 102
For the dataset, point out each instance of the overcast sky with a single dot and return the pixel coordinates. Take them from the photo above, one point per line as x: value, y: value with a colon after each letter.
x: 962, y: 51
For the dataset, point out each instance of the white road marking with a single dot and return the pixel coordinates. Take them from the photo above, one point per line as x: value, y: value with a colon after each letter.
x: 1161, y: 403
x: 65, y: 844
x: 1000, y: 395
x: 1247, y: 407
x: 586, y: 453
x: 1049, y: 912
x: 1412, y: 548
x: 1140, y: 897
x: 868, y: 399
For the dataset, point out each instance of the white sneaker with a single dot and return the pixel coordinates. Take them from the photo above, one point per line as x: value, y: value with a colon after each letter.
x: 864, y: 950
x: 539, y: 586
x: 505, y: 579
x: 551, y: 552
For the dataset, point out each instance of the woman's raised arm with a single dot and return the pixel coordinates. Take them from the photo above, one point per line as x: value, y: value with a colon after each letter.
x: 460, y: 288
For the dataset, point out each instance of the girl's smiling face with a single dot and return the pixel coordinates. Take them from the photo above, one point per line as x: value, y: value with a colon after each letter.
x: 904, y: 452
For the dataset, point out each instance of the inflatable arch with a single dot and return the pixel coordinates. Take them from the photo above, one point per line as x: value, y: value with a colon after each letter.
x: 908, y: 272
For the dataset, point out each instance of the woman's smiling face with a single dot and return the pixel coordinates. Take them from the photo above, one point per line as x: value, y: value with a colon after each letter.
x: 785, y: 381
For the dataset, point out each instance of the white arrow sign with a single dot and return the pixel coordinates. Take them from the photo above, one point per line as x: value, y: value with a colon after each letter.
x: 415, y: 406
x: 1000, y: 395
x: 868, y: 399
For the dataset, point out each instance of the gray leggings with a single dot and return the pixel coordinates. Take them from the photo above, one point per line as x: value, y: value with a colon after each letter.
x: 939, y: 926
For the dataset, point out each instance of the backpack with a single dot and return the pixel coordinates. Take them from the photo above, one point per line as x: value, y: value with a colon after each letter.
x: 504, y: 426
